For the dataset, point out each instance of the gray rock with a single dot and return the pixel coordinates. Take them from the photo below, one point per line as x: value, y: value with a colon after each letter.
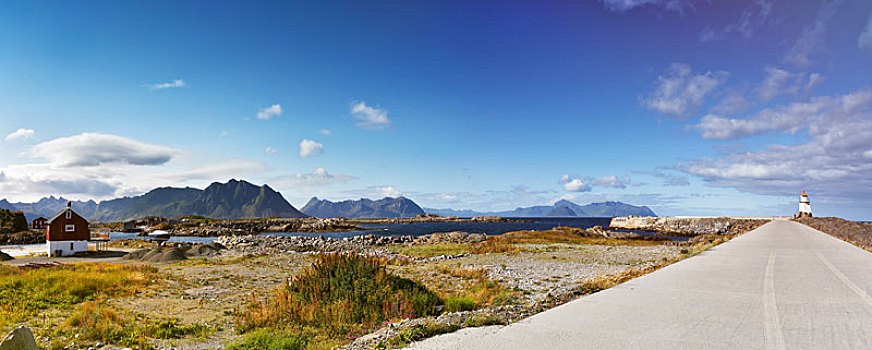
x: 20, y: 338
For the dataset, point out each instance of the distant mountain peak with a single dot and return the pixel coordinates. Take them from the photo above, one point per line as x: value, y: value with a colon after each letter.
x: 387, y: 207
x: 236, y: 199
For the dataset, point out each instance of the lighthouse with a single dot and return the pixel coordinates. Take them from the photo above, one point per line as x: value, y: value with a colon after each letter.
x: 804, y: 206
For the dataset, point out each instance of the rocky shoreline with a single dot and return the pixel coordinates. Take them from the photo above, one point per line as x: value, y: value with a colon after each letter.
x: 689, y: 226
x: 252, y: 227
x: 219, y: 228
x: 23, y: 237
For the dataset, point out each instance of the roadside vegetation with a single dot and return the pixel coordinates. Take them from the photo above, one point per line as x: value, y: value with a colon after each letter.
x: 854, y: 232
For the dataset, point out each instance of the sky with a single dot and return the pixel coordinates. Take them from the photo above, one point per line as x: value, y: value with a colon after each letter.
x: 689, y: 107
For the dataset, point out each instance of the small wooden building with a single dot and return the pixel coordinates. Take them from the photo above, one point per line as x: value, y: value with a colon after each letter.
x: 39, y: 223
x: 67, y: 233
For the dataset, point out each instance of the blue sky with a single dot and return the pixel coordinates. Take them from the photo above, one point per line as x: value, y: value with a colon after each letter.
x: 690, y: 107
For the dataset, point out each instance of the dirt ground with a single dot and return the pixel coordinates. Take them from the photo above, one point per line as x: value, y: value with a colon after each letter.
x: 210, y: 290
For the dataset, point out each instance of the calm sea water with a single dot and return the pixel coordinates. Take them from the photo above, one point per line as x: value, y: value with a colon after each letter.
x: 490, y: 228
x: 115, y: 236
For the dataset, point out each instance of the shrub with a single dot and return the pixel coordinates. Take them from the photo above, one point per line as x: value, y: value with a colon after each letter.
x: 338, y: 293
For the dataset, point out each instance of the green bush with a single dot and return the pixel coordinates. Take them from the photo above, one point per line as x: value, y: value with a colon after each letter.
x: 270, y: 339
x: 339, y: 293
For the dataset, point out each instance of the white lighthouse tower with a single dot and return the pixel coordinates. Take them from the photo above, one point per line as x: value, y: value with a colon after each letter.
x: 804, y: 206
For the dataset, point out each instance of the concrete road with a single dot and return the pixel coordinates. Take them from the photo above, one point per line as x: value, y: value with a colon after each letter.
x: 782, y: 286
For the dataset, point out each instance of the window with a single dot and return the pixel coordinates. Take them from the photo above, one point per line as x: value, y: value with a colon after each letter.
x: 69, y: 214
x: 70, y: 228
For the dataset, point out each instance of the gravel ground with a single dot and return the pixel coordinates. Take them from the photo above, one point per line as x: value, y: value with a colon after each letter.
x: 209, y: 290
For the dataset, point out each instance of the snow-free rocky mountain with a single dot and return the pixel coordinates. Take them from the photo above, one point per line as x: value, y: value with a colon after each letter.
x: 400, y: 207
x: 232, y: 200
x: 562, y: 208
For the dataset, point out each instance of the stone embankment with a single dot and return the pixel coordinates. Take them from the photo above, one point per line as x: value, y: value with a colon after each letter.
x: 689, y: 226
x: 366, y: 244
x: 251, y: 227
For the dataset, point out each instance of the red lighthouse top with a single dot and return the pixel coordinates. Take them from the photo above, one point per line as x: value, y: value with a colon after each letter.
x: 803, y: 193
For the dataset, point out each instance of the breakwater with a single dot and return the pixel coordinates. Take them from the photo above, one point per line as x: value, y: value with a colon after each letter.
x: 689, y: 226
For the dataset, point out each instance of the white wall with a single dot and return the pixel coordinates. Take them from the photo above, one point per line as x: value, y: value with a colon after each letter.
x: 64, y: 247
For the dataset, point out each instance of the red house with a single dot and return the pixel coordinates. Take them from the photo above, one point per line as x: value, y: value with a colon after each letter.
x: 67, y: 233
x: 39, y: 223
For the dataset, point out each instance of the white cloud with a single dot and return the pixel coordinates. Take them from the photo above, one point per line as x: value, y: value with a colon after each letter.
x: 627, y: 5
x: 735, y: 102
x: 224, y: 134
x: 832, y: 160
x: 324, y: 132
x: 177, y: 83
x: 269, y: 112
x: 97, y: 166
x: 814, y: 79
x: 577, y: 185
x: 811, y: 38
x: 783, y: 82
x: 751, y: 19
x: 91, y: 149
x: 269, y: 150
x: 389, y: 191
x: 791, y: 118
x: 309, y: 147
x: 20, y: 134
x: 864, y: 42
x: 317, y: 178
x: 369, y: 117
x: 611, y: 182
x: 587, y: 183
x: 777, y: 82
x: 679, y: 92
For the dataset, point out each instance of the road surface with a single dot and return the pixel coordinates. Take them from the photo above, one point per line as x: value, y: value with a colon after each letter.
x: 782, y: 286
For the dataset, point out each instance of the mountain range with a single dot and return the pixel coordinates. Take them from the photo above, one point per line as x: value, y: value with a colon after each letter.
x: 400, y: 207
x: 242, y: 200
x: 232, y: 200
x: 562, y: 208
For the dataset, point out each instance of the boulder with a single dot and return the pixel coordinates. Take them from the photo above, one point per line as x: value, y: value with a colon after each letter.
x: 20, y: 338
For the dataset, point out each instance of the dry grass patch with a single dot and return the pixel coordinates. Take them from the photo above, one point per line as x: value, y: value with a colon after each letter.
x: 24, y: 293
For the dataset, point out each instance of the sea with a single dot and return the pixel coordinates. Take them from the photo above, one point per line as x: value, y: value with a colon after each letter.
x: 412, y: 229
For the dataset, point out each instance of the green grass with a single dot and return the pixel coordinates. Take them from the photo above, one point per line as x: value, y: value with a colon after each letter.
x: 460, y: 303
x: 485, y: 320
x: 24, y: 293
x: 339, y: 294
x: 431, y: 250
x: 270, y: 339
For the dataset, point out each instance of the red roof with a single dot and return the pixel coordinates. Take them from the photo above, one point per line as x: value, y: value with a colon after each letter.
x: 803, y: 193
